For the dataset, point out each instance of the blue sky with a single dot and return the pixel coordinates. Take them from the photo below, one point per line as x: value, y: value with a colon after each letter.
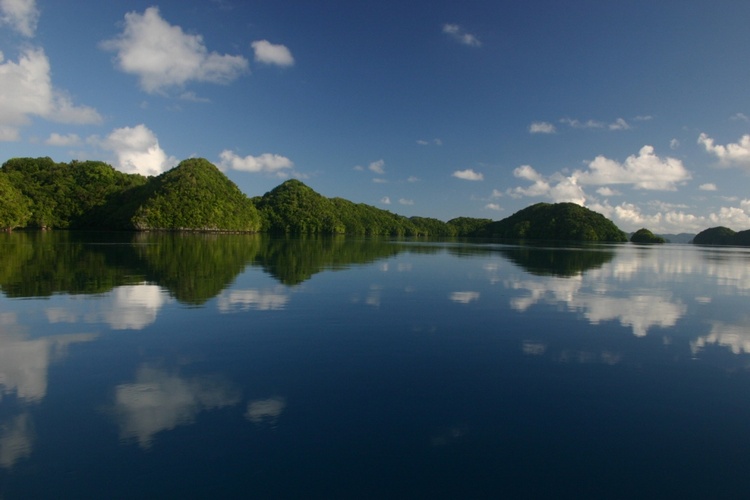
x: 639, y: 110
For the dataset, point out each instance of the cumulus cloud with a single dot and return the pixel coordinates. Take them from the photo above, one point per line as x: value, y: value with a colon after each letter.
x: 20, y: 15
x: 733, y: 154
x: 28, y: 91
x: 542, y: 128
x: 709, y: 186
x: 56, y: 139
x: 405, y: 201
x: 740, y: 116
x: 457, y: 33
x: 269, y: 53
x: 674, y: 144
x: 493, y: 206
x: 266, y: 163
x: 606, y: 191
x: 436, y: 142
x: 644, y: 171
x: 137, y: 150
x: 163, y: 56
x: 556, y: 187
x: 385, y: 200
x: 468, y: 175
x: 378, y: 167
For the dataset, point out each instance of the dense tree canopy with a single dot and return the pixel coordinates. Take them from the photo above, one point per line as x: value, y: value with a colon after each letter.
x: 558, y: 221
x: 722, y: 236
x: 643, y: 235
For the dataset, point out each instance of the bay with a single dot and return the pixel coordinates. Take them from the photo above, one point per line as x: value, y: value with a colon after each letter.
x: 197, y: 365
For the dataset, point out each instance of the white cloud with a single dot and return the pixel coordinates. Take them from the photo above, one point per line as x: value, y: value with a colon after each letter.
x: 56, y: 139
x: 436, y: 142
x: 405, y: 201
x: 457, y: 33
x: 606, y: 191
x: 163, y: 56
x: 27, y: 91
x: 674, y: 144
x: 412, y: 179
x: 542, y: 128
x: 378, y: 167
x: 732, y: 154
x: 378, y: 180
x: 266, y: 163
x: 493, y: 206
x: 579, y: 124
x: 269, y: 53
x: 645, y: 171
x: 21, y: 15
x: 385, y: 200
x: 619, y: 124
x: 137, y: 150
x: 468, y: 175
x: 740, y: 116
x: 708, y: 187
x: 556, y: 187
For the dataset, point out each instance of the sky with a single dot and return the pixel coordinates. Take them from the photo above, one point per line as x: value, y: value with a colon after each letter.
x: 639, y: 110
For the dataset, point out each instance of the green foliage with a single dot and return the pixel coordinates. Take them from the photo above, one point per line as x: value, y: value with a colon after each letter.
x: 558, y: 221
x: 15, y: 208
x: 722, y: 236
x: 195, y: 195
x: 643, y: 235
x: 465, y: 226
x: 63, y: 194
x: 294, y: 208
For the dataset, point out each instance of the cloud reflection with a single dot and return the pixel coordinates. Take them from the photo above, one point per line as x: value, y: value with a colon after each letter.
x: 245, y: 300
x: 734, y: 337
x: 160, y: 401
x: 265, y: 410
x: 464, y: 297
x: 16, y: 440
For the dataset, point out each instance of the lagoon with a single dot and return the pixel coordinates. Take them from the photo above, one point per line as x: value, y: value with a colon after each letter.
x: 197, y: 365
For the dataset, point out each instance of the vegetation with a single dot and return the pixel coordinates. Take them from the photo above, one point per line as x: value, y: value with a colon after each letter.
x: 722, y: 236
x: 196, y: 196
x: 558, y: 221
x: 643, y: 235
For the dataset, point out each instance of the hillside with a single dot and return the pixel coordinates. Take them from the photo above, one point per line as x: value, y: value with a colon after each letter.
x: 558, y: 221
x: 722, y: 236
x: 643, y: 235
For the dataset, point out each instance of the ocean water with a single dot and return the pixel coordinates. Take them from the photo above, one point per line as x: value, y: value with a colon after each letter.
x: 194, y: 366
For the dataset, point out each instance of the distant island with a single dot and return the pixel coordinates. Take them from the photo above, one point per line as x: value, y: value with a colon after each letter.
x: 722, y: 236
x: 39, y: 193
x: 643, y: 235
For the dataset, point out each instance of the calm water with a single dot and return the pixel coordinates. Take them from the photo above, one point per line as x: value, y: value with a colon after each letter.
x: 205, y: 366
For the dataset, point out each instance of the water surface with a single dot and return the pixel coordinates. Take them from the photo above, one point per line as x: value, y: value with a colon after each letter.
x: 238, y: 365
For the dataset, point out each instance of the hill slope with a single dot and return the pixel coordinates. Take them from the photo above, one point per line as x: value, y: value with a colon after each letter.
x: 558, y: 221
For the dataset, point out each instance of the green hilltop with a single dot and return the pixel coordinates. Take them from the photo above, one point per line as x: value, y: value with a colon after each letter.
x: 197, y: 196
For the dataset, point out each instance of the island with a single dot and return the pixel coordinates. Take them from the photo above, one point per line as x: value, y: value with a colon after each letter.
x: 196, y: 196
x: 644, y: 236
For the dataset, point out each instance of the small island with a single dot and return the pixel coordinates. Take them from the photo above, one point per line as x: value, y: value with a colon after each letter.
x: 644, y: 236
x: 722, y: 236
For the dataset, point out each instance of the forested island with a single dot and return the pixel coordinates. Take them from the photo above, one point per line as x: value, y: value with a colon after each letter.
x: 39, y: 193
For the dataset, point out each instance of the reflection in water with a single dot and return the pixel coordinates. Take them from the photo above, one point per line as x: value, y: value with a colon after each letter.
x: 24, y: 368
x: 133, y: 307
x: 16, y: 439
x: 464, y: 297
x: 24, y: 363
x: 735, y: 337
x: 265, y: 410
x: 259, y: 300
x: 160, y: 401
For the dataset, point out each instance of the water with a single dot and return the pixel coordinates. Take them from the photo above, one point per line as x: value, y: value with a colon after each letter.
x: 160, y: 365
